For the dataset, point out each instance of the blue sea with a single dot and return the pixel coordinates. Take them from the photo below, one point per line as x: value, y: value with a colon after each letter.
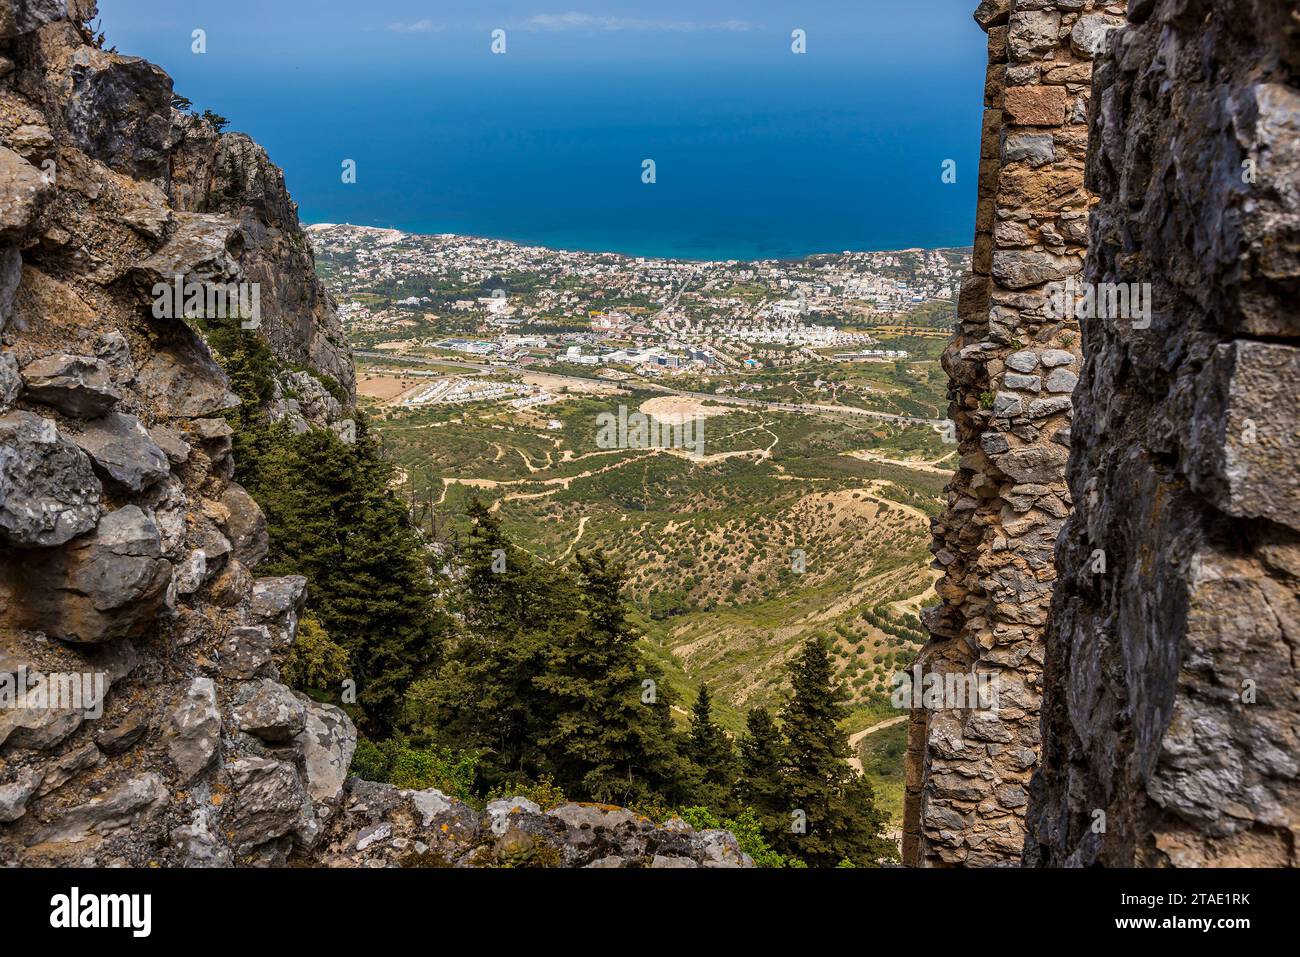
x: 779, y: 157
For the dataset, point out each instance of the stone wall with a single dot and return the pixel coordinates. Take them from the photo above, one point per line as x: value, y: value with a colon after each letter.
x: 1013, y: 365
x: 1172, y: 691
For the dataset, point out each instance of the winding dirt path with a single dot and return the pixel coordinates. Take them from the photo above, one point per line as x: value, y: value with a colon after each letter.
x: 855, y: 762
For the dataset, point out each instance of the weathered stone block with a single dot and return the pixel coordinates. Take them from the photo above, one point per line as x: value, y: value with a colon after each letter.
x: 1245, y: 444
x: 1035, y: 105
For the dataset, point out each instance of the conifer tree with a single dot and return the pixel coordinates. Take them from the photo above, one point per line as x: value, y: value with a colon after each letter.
x: 611, y: 734
x: 840, y: 820
x: 762, y: 767
x: 712, y: 756
x: 514, y: 610
x: 332, y: 518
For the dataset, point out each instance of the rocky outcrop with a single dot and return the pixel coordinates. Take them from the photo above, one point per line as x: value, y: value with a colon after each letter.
x: 1012, y: 364
x: 230, y: 177
x: 1171, y: 694
x: 144, y: 719
x: 379, y: 825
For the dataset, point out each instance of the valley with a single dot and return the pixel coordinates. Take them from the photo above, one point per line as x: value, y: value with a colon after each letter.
x: 805, y: 514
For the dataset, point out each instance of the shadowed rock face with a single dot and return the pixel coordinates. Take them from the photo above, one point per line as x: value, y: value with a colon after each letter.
x: 124, y: 548
x: 1157, y: 628
x: 126, y: 553
x: 1170, y: 698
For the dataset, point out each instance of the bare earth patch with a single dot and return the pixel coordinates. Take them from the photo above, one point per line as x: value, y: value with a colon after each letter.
x: 675, y: 409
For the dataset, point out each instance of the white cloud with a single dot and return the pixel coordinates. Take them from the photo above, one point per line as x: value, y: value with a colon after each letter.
x: 419, y: 26
x: 587, y: 21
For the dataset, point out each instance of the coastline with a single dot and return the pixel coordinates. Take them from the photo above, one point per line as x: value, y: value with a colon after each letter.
x: 394, y: 231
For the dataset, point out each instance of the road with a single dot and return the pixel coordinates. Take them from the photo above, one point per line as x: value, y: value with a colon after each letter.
x: 808, y: 407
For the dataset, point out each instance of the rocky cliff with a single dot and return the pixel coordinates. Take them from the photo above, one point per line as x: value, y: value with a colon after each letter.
x: 1172, y: 689
x: 1155, y: 629
x: 142, y: 719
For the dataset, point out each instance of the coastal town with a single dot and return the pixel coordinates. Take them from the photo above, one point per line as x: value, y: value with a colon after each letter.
x: 502, y: 304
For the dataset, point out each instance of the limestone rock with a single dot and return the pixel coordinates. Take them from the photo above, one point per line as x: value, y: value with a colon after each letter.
x: 1036, y: 149
x: 123, y: 735
x: 1091, y: 32
x: 268, y: 710
x: 169, y: 440
x: 192, y: 572
x: 204, y: 249
x: 195, y: 732
x: 1061, y: 380
x: 15, y: 795
x: 186, y: 380
x: 119, y: 111
x: 130, y: 804
x: 276, y: 603
x: 1019, y: 270
x: 11, y: 275
x: 55, y: 707
x: 268, y: 802
x: 109, y: 584
x: 69, y: 766
x: 327, y: 743
x: 23, y: 191
x: 246, y: 526
x: 112, y: 347
x: 197, y: 845
x: 11, y: 381
x: 1033, y: 32
x: 48, y: 490
x: 24, y: 16
x: 246, y: 652
x: 123, y: 452
x: 78, y: 386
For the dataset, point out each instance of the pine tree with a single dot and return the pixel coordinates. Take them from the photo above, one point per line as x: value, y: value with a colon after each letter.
x: 840, y: 819
x: 762, y: 767
x: 332, y: 518
x: 712, y: 756
x: 250, y: 365
x: 514, y: 610
x: 611, y: 735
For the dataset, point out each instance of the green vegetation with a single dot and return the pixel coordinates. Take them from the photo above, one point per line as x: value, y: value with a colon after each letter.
x: 531, y: 642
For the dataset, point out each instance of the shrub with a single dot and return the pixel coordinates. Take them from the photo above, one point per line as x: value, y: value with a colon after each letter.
x: 315, y: 663
x: 748, y: 833
x: 543, y: 792
x: 397, y: 761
